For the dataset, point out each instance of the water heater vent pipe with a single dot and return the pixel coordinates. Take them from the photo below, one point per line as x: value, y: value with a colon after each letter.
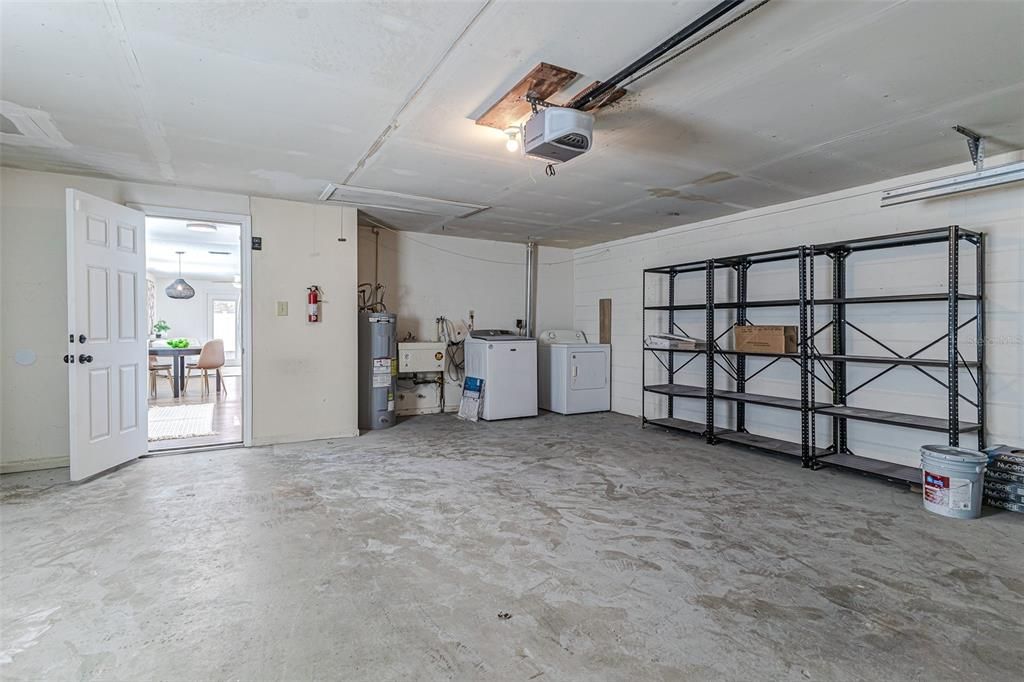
x: 531, y: 288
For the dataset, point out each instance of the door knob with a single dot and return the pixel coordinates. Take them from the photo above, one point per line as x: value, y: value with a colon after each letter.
x: 69, y: 359
x: 81, y: 338
x: 83, y: 358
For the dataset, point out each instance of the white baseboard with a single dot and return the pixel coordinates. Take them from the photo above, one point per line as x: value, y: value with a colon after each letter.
x: 34, y: 464
x: 300, y: 438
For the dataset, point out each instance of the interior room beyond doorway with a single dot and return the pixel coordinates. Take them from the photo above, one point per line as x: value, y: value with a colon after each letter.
x: 194, y: 289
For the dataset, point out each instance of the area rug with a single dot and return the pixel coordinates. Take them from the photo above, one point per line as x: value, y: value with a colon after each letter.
x: 181, y: 421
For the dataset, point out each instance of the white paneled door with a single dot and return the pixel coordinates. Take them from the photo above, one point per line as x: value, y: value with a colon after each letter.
x: 108, y: 337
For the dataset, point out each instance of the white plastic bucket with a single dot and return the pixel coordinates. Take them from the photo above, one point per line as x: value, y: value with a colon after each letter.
x: 952, y: 480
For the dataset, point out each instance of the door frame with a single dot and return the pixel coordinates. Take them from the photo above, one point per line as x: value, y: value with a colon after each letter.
x: 245, y: 220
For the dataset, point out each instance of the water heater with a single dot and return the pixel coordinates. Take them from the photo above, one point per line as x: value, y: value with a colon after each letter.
x: 378, y: 364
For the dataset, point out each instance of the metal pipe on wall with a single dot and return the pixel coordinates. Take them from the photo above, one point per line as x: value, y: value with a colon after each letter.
x: 376, y: 257
x: 531, y: 289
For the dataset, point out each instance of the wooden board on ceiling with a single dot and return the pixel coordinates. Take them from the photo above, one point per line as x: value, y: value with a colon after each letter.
x: 545, y: 80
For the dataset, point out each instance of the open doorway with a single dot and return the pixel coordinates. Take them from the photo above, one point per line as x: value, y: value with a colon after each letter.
x: 194, y: 274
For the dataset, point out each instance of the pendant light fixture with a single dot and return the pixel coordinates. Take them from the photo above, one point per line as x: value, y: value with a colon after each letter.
x: 179, y: 288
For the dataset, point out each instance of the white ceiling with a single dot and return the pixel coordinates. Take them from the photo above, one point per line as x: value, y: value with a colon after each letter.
x: 166, y: 236
x: 278, y: 99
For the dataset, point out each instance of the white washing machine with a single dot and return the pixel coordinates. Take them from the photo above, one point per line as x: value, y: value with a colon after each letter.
x: 507, y: 363
x: 575, y: 376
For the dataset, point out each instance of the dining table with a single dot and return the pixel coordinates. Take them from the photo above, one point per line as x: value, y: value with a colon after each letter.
x: 177, y: 356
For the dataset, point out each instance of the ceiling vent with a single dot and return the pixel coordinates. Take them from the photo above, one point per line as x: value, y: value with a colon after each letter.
x: 28, y: 127
x: 8, y: 127
x: 396, y: 201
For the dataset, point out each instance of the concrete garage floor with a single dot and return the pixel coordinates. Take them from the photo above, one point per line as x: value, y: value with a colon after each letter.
x: 620, y: 554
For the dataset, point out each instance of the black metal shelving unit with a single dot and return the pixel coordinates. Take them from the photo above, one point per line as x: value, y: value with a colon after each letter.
x: 834, y: 364
x: 828, y: 368
x: 670, y: 388
x: 733, y: 363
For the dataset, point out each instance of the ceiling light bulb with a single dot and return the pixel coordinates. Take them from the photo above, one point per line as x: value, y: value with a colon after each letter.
x: 512, y: 143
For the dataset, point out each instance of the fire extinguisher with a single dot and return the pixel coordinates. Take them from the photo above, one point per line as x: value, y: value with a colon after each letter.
x: 313, y: 303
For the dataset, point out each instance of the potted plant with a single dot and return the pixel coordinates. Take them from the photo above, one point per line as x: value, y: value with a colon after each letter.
x: 160, y: 327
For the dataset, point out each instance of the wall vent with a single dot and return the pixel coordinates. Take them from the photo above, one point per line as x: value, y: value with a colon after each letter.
x: 8, y: 127
x: 396, y: 201
x: 28, y: 127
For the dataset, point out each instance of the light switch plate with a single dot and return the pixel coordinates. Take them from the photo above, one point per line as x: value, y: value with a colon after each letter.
x: 282, y: 308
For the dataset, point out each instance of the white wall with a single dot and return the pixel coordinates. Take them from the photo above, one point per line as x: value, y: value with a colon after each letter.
x: 304, y: 374
x: 613, y: 270
x: 190, y: 318
x: 33, y: 300
x: 428, y: 276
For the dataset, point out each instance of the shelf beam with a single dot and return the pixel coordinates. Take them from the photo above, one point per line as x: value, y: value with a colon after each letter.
x: 765, y: 443
x: 700, y: 393
x: 914, y: 421
x: 852, y: 300
x: 876, y: 467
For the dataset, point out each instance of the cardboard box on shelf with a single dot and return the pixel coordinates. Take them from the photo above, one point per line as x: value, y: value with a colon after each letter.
x: 765, y: 338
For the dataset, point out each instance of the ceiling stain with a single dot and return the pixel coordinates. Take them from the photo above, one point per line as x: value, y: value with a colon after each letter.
x: 701, y: 197
x: 669, y: 193
x: 717, y: 176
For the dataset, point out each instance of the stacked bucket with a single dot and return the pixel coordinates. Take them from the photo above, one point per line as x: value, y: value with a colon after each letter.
x: 952, y: 480
x: 1004, y: 478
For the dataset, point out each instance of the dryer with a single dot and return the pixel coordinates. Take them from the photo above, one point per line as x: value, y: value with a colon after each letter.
x: 574, y: 376
x: 507, y: 363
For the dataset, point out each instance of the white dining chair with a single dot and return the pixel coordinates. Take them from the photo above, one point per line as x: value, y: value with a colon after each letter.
x: 211, y: 358
x: 157, y: 368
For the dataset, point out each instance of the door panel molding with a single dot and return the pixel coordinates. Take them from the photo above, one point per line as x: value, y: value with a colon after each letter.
x: 128, y: 305
x: 129, y: 394
x: 99, y: 404
x: 127, y: 238
x: 97, y: 286
x: 96, y: 231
